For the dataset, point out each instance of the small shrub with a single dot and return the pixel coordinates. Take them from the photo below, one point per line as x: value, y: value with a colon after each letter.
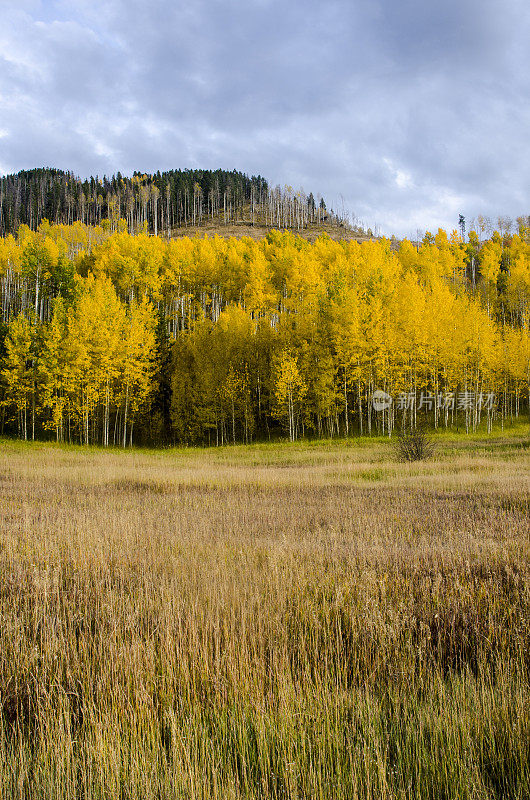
x: 414, y: 445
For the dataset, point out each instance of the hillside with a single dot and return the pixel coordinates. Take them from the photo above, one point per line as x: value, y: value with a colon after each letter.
x: 337, y: 229
x: 177, y: 202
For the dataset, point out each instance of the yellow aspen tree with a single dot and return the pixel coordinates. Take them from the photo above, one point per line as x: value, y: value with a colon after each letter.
x: 53, y: 369
x: 19, y: 373
x: 289, y: 392
x: 94, y: 330
x: 231, y: 391
x: 81, y: 373
x: 138, y: 363
x: 490, y: 266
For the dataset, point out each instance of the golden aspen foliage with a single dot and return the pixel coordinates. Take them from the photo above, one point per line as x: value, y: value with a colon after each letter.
x: 254, y: 334
x: 289, y: 392
x: 19, y: 371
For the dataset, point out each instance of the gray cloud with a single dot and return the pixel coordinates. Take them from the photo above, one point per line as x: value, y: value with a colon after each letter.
x: 412, y: 112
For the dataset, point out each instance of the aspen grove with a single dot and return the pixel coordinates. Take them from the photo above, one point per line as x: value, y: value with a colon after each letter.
x: 113, y: 338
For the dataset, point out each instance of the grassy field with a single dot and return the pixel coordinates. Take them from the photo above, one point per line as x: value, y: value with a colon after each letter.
x: 287, y: 621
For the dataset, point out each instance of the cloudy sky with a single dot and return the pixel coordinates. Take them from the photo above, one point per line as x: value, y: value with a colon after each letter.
x: 409, y: 112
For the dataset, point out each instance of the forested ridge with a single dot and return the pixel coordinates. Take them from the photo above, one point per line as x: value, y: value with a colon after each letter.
x: 114, y: 338
x: 159, y: 203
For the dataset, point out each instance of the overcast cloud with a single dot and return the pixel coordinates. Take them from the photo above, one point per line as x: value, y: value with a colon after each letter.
x: 412, y: 112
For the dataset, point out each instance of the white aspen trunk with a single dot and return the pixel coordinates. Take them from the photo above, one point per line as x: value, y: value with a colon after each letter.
x: 107, y: 415
x: 370, y: 392
x: 346, y: 422
x: 116, y: 422
x: 37, y: 295
x: 360, y: 406
x: 126, y: 409
x: 291, y: 417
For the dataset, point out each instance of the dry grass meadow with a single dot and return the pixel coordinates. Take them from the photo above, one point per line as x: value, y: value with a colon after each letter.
x: 271, y: 621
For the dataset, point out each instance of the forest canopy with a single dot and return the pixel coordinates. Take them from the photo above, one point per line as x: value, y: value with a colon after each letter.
x: 110, y: 338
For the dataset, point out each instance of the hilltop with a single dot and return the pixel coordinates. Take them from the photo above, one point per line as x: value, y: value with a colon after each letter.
x: 173, y: 203
x: 336, y: 229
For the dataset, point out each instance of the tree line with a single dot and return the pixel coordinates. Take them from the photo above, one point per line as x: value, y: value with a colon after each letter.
x: 158, y: 203
x: 113, y: 338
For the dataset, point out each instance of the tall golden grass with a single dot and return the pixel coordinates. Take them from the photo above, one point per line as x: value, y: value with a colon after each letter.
x: 265, y: 622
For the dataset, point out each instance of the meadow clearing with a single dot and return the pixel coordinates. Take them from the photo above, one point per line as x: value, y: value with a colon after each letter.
x: 308, y: 620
